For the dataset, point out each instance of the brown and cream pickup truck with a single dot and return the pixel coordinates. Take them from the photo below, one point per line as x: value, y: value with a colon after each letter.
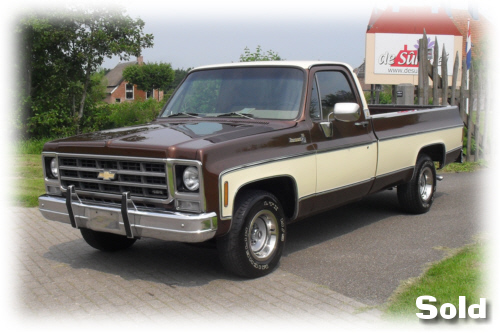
x: 241, y: 150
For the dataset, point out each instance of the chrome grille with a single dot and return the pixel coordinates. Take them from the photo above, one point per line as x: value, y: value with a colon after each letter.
x: 142, y: 178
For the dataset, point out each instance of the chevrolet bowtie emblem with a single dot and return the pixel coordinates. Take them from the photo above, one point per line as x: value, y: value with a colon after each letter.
x: 106, y: 175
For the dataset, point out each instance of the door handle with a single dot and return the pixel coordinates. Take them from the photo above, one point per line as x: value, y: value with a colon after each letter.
x: 362, y: 123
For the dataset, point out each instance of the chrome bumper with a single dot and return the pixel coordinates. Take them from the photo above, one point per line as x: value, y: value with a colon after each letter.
x: 128, y: 220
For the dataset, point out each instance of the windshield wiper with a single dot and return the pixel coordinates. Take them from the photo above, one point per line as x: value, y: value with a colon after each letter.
x: 230, y: 114
x: 184, y: 114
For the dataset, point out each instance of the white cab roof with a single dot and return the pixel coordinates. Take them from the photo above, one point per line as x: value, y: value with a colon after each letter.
x: 286, y: 63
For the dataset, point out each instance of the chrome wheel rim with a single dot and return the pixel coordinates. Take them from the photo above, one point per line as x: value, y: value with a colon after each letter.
x: 426, y: 184
x: 263, y: 235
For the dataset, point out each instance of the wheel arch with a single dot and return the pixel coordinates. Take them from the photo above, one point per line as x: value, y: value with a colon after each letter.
x: 436, y: 151
x: 283, y: 187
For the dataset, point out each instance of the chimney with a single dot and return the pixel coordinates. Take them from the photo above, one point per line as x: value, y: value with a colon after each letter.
x: 140, y: 60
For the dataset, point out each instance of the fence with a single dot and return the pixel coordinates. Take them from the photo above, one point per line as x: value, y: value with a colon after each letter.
x: 471, y: 97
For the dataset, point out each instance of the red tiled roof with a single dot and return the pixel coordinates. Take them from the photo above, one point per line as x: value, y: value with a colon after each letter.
x: 480, y: 30
x: 412, y: 20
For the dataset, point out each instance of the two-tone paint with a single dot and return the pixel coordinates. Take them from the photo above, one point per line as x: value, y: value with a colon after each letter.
x: 363, y: 157
x: 307, y: 171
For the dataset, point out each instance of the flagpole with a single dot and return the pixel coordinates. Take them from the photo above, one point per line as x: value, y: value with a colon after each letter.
x: 468, y: 47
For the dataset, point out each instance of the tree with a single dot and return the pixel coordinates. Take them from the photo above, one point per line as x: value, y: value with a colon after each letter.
x: 105, y: 33
x: 48, y: 74
x: 150, y: 76
x: 180, y: 74
x: 61, y: 50
x: 259, y: 55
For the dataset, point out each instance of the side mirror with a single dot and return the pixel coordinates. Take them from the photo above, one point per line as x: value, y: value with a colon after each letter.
x: 346, y: 111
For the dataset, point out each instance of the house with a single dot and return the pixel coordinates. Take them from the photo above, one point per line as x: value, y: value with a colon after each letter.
x: 360, y: 73
x: 480, y: 29
x: 118, y: 90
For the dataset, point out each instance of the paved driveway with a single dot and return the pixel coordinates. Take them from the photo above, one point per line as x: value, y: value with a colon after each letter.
x: 335, y: 267
x: 364, y: 250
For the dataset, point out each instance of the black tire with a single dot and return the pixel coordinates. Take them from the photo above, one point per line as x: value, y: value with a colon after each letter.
x: 417, y: 195
x: 253, y: 246
x: 105, y: 241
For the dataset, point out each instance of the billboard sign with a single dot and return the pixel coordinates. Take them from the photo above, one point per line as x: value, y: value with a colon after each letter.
x: 397, y: 54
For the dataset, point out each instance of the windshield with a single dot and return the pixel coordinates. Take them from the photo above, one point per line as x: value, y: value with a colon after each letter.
x: 252, y: 92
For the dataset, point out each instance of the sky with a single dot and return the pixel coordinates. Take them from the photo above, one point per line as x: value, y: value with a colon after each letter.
x: 211, y: 35
x: 194, y: 33
x: 191, y: 33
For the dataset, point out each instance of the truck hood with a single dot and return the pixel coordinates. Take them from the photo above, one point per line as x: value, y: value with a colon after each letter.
x: 164, y: 139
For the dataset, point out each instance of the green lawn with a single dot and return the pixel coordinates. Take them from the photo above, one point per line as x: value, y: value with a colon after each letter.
x: 463, y: 167
x: 28, y: 179
x: 458, y: 275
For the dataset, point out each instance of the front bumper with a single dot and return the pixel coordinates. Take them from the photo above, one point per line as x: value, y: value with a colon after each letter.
x: 129, y: 221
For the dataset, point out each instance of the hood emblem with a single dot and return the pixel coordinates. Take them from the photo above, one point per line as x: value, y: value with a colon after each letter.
x: 106, y: 175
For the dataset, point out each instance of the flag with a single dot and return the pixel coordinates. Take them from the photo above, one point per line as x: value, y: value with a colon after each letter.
x: 468, y: 46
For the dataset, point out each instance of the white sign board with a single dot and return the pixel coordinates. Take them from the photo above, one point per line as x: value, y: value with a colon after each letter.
x: 397, y: 54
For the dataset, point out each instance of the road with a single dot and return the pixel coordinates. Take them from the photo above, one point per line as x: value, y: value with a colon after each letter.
x: 335, y: 267
x: 364, y: 250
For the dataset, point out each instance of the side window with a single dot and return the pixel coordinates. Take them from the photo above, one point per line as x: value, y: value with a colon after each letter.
x: 333, y: 88
x: 314, y: 106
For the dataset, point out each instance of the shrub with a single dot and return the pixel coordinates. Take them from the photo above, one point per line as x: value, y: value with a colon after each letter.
x: 134, y: 113
x: 31, y: 146
x: 97, y: 117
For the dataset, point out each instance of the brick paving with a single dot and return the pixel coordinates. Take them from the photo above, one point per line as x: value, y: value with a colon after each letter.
x: 60, y: 277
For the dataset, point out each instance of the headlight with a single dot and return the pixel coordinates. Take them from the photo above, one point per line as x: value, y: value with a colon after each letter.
x: 191, y: 178
x: 53, y: 168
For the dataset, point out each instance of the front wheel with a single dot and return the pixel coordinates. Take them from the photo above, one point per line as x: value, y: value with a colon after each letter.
x: 105, y: 241
x: 255, y: 242
x: 417, y: 195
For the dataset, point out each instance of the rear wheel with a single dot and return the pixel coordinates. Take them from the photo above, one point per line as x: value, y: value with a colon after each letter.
x: 105, y: 241
x: 417, y: 195
x: 253, y: 246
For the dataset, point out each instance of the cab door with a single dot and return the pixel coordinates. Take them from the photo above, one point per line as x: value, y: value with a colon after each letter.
x: 346, y: 158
